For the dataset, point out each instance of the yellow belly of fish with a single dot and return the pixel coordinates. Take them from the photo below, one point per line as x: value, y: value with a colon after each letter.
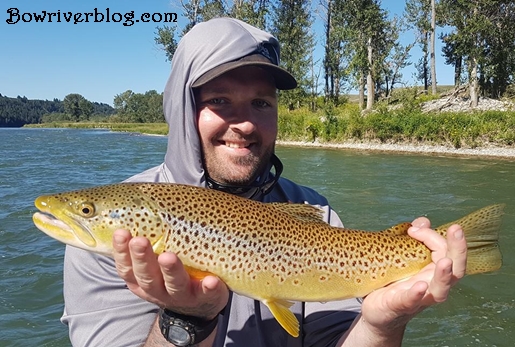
x: 310, y: 276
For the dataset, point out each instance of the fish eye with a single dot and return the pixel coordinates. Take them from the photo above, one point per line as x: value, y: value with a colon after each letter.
x: 87, y: 209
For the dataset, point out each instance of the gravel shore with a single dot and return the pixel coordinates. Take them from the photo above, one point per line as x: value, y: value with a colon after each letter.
x: 490, y: 151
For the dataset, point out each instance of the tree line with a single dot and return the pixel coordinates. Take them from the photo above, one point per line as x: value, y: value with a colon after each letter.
x: 16, y: 112
x: 129, y: 107
x: 361, y: 43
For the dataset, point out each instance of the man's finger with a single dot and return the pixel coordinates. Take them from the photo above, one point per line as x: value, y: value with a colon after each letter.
x: 145, y: 267
x: 122, y: 257
x: 457, y: 250
x: 442, y: 281
x: 421, y: 222
x: 176, y: 279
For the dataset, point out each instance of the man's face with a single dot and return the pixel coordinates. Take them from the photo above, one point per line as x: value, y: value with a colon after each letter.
x: 237, y: 124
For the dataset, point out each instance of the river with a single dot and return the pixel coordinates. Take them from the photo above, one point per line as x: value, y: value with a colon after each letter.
x: 369, y: 190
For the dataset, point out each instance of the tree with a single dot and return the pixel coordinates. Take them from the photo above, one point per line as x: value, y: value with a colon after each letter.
x: 154, y: 107
x: 253, y: 12
x: 432, y: 47
x: 165, y: 37
x: 139, y: 108
x: 291, y: 26
x: 335, y: 62
x: 121, y: 105
x: 367, y: 32
x: 396, y: 58
x: 417, y: 14
x: 86, y: 109
x: 483, y: 36
x: 498, y: 68
x: 72, y: 106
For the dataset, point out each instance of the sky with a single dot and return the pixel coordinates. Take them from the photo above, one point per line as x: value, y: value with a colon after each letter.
x: 47, y: 60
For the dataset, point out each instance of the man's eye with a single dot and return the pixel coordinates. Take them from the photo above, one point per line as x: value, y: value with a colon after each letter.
x: 216, y: 101
x: 261, y: 103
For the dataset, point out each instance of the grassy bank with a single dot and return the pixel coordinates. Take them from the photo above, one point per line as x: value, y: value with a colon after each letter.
x: 143, y: 128
x: 408, y: 126
x: 347, y: 124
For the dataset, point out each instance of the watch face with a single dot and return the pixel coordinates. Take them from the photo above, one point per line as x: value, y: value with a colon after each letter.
x: 179, y: 336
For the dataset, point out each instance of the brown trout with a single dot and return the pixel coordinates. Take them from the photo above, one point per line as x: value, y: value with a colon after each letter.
x: 275, y: 252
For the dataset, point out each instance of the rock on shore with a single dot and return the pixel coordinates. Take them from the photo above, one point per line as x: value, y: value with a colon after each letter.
x: 460, y: 102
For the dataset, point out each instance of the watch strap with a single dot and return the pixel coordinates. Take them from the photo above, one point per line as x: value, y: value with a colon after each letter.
x: 199, y: 329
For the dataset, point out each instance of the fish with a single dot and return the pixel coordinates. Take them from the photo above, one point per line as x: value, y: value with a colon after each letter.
x: 276, y: 253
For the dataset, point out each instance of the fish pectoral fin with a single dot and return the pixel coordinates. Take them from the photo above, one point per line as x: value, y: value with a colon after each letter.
x: 196, y: 273
x: 159, y: 246
x: 281, y: 311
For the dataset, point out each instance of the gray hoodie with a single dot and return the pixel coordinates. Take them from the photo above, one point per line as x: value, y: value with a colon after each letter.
x: 101, y: 311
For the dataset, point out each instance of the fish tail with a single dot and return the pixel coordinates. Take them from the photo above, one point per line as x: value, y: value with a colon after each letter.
x: 481, y: 229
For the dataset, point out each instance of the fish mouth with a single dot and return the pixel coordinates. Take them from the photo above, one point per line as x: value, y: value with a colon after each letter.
x: 58, y: 225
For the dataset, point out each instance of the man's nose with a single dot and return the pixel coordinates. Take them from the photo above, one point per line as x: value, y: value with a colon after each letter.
x: 243, y: 120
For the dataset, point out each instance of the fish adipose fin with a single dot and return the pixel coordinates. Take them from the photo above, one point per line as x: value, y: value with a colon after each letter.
x: 281, y: 311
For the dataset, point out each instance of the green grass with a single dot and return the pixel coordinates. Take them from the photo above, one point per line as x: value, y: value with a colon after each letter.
x: 404, y: 125
x: 143, y: 128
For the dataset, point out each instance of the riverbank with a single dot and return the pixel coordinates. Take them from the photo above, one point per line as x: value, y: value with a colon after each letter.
x: 421, y: 148
x: 160, y: 129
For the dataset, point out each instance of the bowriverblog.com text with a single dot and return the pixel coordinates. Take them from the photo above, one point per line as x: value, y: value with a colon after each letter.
x: 15, y: 16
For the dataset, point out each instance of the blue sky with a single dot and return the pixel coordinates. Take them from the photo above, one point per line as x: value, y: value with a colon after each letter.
x: 99, y: 60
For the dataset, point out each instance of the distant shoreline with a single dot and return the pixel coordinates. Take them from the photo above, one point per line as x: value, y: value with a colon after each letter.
x: 490, y: 151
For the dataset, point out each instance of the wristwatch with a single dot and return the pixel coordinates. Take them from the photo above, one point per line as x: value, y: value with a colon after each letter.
x: 182, y: 330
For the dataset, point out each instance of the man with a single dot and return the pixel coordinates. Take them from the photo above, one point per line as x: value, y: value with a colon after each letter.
x: 221, y: 106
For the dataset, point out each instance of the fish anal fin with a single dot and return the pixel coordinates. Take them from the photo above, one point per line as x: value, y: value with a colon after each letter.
x: 399, y: 229
x: 303, y: 212
x: 281, y: 311
x: 196, y: 273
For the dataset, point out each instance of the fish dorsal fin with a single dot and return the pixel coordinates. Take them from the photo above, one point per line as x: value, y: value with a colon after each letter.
x: 303, y: 212
x: 281, y: 311
x: 399, y: 229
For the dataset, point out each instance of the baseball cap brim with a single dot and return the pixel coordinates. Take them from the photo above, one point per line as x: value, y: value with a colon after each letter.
x: 283, y: 79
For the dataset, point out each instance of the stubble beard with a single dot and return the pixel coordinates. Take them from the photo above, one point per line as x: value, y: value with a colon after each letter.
x: 219, y: 171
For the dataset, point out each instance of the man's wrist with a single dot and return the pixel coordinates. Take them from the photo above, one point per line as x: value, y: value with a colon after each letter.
x: 392, y: 332
x: 183, y: 330
x: 362, y: 333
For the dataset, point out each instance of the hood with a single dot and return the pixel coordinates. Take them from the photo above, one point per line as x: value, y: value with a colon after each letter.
x: 228, y: 39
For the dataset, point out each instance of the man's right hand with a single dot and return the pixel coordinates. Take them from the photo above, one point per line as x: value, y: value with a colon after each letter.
x: 164, y: 281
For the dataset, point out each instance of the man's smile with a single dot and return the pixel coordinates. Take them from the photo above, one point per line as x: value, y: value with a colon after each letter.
x: 236, y: 144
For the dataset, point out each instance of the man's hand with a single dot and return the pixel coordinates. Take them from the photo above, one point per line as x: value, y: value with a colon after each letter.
x: 388, y: 310
x: 164, y: 281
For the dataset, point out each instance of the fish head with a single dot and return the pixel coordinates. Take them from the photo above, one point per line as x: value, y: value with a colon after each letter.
x: 87, y: 218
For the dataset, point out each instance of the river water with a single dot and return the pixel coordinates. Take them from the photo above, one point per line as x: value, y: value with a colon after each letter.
x: 370, y: 190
